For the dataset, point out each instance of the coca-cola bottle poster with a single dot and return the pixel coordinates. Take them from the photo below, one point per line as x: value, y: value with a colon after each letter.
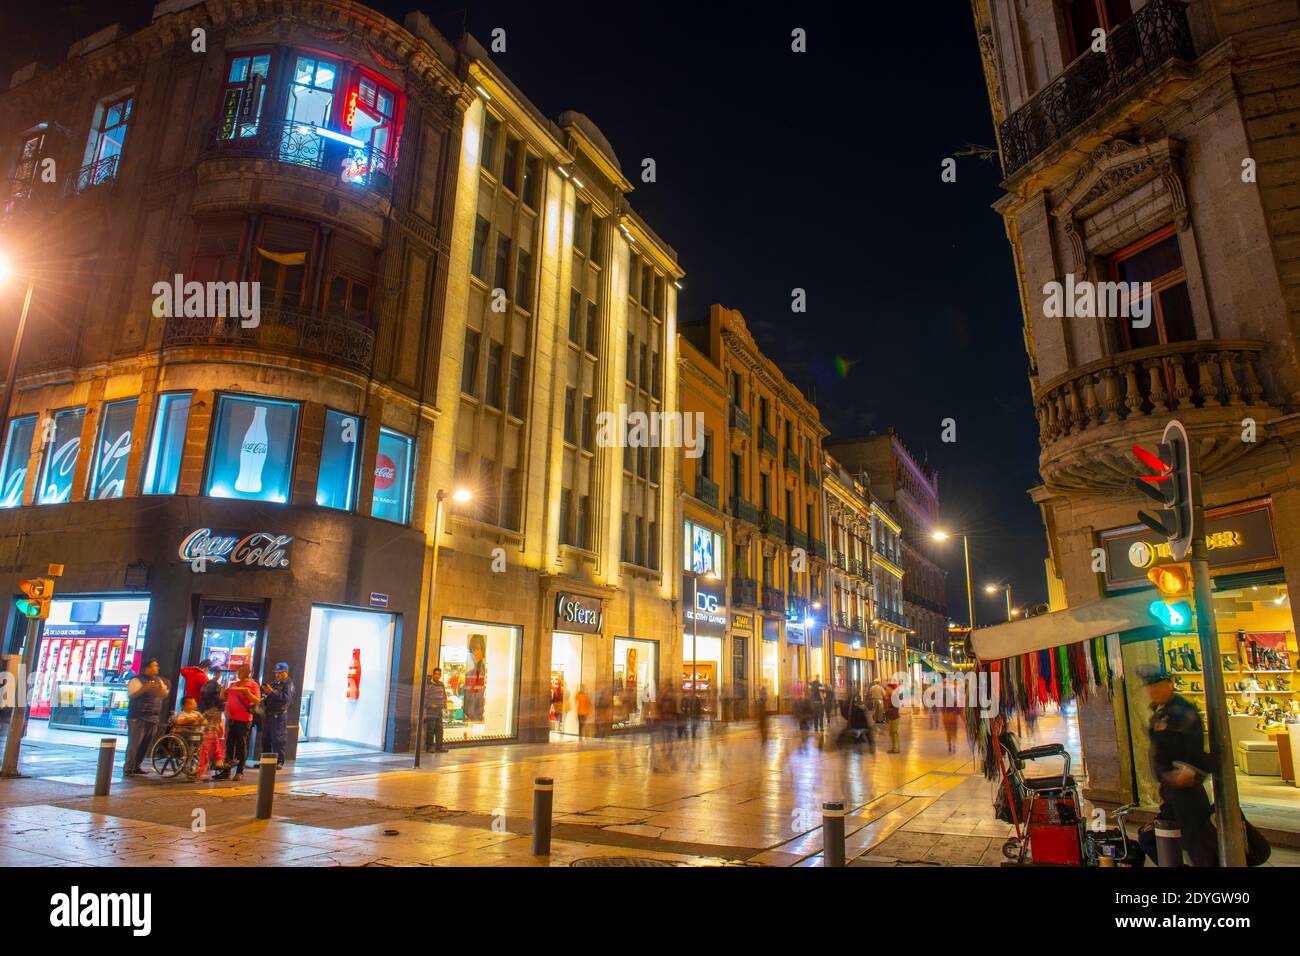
x: 252, y: 454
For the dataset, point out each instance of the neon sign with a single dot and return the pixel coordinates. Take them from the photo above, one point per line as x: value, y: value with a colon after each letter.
x: 261, y: 549
x: 351, y: 115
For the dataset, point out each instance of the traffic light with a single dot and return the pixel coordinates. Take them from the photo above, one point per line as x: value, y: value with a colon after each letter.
x: 1172, y: 580
x: 1170, y: 486
x: 37, y: 603
x: 1175, y: 615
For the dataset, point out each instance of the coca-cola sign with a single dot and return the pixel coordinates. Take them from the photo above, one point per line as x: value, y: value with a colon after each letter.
x: 385, y: 472
x: 259, y: 549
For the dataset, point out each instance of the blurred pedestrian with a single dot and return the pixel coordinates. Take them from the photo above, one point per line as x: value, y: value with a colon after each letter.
x: 891, y: 717
x: 816, y: 706
x: 145, y: 695
x: 582, y: 701
x: 876, y: 702
x: 951, y: 718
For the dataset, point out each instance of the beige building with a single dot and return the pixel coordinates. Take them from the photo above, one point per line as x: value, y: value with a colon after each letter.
x: 852, y: 647
x: 1170, y: 160
x: 559, y: 329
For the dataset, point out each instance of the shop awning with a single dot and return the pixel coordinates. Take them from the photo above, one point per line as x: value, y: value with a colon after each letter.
x: 1097, y: 619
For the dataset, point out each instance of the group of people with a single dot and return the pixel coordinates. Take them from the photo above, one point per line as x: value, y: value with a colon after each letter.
x: 216, y: 718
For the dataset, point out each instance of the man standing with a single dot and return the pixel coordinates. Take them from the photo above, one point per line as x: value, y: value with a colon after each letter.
x: 241, y: 697
x: 435, y: 703
x: 146, y: 693
x: 276, y: 697
x: 1180, y: 764
x: 816, y: 705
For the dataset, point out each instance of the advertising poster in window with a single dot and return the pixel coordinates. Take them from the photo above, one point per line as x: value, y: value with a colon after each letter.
x: 338, y: 461
x: 392, y: 477
x: 252, y: 451
x: 113, y: 449
x: 61, y: 457
x: 17, y: 450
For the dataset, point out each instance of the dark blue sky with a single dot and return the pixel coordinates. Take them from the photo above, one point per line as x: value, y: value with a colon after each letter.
x: 779, y: 170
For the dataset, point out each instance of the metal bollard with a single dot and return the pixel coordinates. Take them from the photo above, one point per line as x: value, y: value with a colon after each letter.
x: 266, y: 768
x: 1169, y: 843
x: 543, y: 798
x: 104, y: 772
x: 833, y: 834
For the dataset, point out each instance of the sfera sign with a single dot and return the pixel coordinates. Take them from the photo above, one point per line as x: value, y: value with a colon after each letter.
x: 574, y: 612
x: 259, y: 549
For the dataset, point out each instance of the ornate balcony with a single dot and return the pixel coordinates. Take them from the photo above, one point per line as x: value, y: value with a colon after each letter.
x: 792, y: 461
x: 100, y: 175
x: 290, y: 331
x: 740, y: 421
x: 1137, y: 48
x: 774, y: 600
x: 1089, y: 417
x: 839, y: 560
x: 771, y: 524
x: 818, y: 548
x: 744, y: 592
x: 797, y: 537
x: 810, y: 475
x: 706, y: 489
x: 743, y: 510
x: 299, y: 144
x: 767, y: 441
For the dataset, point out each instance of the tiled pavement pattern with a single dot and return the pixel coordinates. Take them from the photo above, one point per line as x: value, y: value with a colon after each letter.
x: 723, y: 800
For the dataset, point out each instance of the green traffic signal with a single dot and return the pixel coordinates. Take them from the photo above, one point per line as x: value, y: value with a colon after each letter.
x: 1175, y: 615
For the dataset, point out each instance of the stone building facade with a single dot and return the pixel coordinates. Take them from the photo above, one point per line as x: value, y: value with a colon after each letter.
x: 262, y: 488
x: 1169, y: 159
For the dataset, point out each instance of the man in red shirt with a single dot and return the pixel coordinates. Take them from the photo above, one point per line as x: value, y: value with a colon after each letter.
x: 195, y: 678
x: 241, y: 697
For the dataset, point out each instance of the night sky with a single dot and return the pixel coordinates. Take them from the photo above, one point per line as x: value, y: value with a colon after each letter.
x: 779, y: 170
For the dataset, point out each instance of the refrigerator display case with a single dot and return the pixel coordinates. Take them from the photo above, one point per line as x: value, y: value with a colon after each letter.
x: 95, y: 706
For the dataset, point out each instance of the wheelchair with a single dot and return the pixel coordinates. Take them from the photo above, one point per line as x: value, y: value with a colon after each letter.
x: 176, y: 752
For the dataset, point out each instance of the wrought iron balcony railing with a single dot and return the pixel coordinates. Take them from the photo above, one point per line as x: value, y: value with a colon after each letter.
x: 744, y: 592
x: 810, y: 475
x: 742, y: 509
x: 768, y: 441
x: 292, y: 331
x: 859, y: 568
x: 797, y: 537
x: 839, y: 560
x: 93, y: 176
x: 771, y: 524
x: 1135, y: 49
x: 740, y: 421
x: 300, y: 144
x: 792, y: 461
x: 706, y: 489
x: 818, y: 548
x: 774, y: 600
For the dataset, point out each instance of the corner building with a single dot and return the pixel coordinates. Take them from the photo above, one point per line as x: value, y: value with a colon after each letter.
x: 1170, y: 159
x: 258, y: 491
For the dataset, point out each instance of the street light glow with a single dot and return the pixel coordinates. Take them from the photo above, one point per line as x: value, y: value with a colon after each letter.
x: 990, y: 589
x: 6, y: 269
x: 940, y: 536
x: 461, y: 495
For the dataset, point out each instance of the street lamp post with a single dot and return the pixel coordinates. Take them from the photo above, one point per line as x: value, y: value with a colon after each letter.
x: 993, y: 589
x: 965, y: 543
x: 5, y: 272
x: 441, y: 496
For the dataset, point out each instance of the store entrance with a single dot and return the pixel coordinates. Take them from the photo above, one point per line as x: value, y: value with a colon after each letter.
x: 566, y: 681
x: 230, y: 636
x: 1259, y: 658
x: 702, y: 675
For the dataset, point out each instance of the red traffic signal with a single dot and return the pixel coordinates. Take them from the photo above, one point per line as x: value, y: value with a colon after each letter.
x: 1171, y: 485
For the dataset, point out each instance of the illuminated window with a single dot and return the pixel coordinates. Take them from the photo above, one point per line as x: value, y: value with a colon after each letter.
x: 163, y: 468
x: 336, y: 484
x: 244, y: 94
x: 394, y: 465
x: 18, y: 450
x: 252, y: 448
x: 60, y: 460
x: 108, y: 470
x: 107, y: 136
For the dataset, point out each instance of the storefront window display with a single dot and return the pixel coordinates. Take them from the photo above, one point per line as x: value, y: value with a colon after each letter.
x: 166, y: 447
x: 345, y: 676
x: 769, y: 659
x: 1259, y: 659
x: 88, y: 649
x: 336, y: 485
x: 108, y: 471
x: 18, y: 447
x: 60, y: 457
x: 702, y: 674
x: 229, y: 637
x: 566, y: 678
x: 252, y: 448
x: 480, y: 666
x: 636, y: 678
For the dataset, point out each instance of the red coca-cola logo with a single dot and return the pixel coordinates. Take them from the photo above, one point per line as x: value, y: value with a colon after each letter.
x: 385, y: 472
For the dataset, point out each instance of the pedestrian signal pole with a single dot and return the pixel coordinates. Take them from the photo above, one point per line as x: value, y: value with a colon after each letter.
x: 1175, y: 484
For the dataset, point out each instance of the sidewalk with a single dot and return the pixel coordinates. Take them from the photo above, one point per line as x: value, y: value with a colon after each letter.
x: 723, y: 800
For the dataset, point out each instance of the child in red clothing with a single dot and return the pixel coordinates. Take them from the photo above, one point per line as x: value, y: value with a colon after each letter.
x: 213, y: 748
